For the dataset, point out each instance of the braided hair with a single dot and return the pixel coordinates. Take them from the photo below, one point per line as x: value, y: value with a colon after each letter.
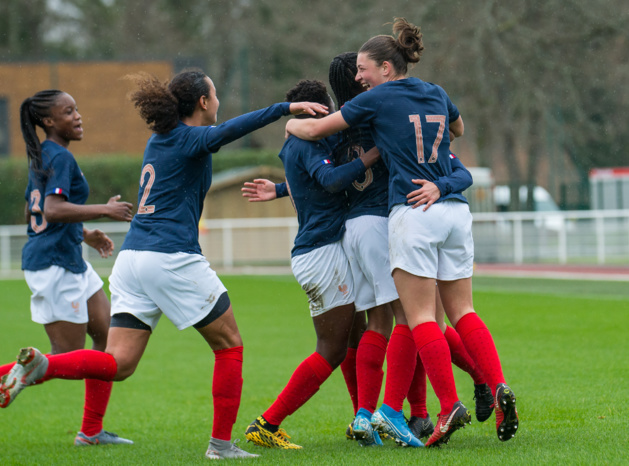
x: 342, y: 76
x: 32, y: 113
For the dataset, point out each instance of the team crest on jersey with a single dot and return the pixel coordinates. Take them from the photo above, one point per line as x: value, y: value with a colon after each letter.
x: 343, y: 289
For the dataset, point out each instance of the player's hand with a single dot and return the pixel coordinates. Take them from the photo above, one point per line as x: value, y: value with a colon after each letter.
x: 370, y: 157
x: 427, y: 195
x: 121, y: 211
x: 260, y: 190
x: 99, y: 241
x: 308, y: 108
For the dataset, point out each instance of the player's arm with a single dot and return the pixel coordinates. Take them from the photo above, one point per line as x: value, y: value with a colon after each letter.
x: 231, y: 130
x: 58, y: 210
x: 313, y: 129
x: 456, y: 128
x: 261, y: 190
x: 27, y: 214
x: 335, y: 179
x: 430, y: 192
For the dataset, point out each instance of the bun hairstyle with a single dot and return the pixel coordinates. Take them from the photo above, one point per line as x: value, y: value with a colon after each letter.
x: 162, y: 105
x: 32, y: 113
x: 406, y: 48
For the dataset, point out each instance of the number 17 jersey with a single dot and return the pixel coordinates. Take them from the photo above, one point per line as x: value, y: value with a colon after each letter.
x: 409, y: 120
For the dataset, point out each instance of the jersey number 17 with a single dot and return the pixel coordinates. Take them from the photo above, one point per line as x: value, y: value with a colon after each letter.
x: 419, y: 137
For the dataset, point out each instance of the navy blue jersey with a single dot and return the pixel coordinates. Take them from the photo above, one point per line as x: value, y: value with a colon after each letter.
x: 409, y: 121
x: 176, y: 175
x: 316, y: 189
x: 368, y: 194
x: 54, y: 243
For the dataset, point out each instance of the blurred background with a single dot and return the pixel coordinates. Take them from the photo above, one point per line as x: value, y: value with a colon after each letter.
x: 542, y: 87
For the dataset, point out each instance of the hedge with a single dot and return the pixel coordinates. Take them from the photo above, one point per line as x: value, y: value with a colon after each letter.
x: 107, y: 176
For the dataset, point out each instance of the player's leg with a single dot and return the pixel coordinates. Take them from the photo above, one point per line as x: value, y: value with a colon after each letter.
x: 418, y: 298
x: 220, y: 331
x: 97, y: 392
x: 401, y: 359
x: 462, y: 359
x: 457, y: 300
x: 348, y: 366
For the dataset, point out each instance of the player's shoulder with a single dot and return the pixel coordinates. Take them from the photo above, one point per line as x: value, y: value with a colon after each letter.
x: 54, y: 154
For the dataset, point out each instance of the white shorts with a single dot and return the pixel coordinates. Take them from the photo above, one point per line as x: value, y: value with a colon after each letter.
x: 325, y: 276
x: 437, y: 243
x: 366, y: 244
x: 146, y: 284
x: 60, y: 295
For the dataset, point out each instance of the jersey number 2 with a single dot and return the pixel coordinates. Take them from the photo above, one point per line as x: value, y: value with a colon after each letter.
x: 146, y: 209
x: 419, y: 138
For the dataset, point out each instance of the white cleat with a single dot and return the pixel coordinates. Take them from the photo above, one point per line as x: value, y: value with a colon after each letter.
x: 30, y: 367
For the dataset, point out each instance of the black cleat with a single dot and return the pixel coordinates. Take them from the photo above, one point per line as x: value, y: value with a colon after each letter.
x: 506, y: 413
x: 421, y: 427
x: 484, y: 402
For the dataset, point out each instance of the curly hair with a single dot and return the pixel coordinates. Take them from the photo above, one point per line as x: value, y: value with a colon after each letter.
x: 406, y: 48
x: 162, y: 104
x: 309, y: 90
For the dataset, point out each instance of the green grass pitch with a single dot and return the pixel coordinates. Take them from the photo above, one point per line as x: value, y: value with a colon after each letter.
x: 564, y: 347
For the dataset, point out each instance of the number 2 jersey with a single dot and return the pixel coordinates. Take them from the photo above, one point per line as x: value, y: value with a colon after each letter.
x: 54, y: 243
x: 176, y: 176
x: 409, y: 121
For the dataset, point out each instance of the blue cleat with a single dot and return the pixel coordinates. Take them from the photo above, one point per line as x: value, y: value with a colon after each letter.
x: 363, y: 430
x: 390, y: 422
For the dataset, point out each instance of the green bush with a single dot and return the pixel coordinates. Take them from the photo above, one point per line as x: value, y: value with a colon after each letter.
x: 107, y: 176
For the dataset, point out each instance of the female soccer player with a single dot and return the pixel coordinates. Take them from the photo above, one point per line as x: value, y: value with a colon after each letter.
x: 160, y: 269
x: 367, y: 251
x: 68, y: 297
x: 411, y: 122
x: 319, y: 265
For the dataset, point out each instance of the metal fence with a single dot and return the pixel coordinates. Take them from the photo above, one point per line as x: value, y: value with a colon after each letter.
x: 574, y: 237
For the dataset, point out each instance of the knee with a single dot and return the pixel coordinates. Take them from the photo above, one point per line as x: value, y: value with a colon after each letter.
x: 333, y: 355
x: 124, y: 370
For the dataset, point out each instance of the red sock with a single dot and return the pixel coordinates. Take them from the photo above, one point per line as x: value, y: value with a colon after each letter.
x: 460, y: 357
x: 372, y: 350
x: 401, y: 359
x: 348, y: 367
x: 480, y: 345
x: 304, y: 383
x: 6, y: 368
x: 435, y: 355
x: 226, y: 391
x: 96, y: 399
x: 417, y: 393
x: 81, y: 364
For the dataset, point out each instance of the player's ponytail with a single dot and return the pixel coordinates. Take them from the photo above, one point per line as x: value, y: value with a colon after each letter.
x: 156, y: 104
x: 32, y: 113
x: 162, y: 105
